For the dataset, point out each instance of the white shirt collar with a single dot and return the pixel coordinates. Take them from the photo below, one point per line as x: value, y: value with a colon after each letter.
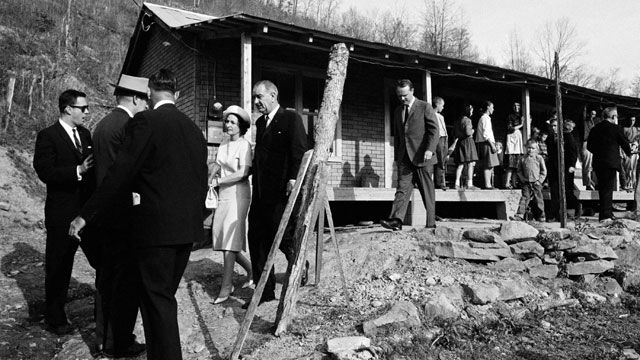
x: 126, y: 110
x: 411, y: 102
x: 272, y: 114
x: 162, y: 102
x: 68, y: 129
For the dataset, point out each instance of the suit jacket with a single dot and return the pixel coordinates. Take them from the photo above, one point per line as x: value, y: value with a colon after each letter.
x: 418, y: 135
x: 605, y: 141
x: 164, y: 159
x: 55, y: 161
x: 108, y: 137
x: 278, y: 152
x: 571, y: 150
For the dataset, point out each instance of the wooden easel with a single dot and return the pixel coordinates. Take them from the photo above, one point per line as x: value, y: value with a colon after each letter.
x: 288, y: 300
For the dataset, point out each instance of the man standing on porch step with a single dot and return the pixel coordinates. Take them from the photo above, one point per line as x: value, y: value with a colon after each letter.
x: 605, y: 141
x: 280, y: 144
x: 443, y: 146
x: 416, y: 138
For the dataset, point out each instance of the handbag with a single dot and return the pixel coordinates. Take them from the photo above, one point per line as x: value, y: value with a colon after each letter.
x: 211, y: 202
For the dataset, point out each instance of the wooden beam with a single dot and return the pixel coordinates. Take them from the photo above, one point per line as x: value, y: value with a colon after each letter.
x: 245, y: 75
x: 426, y: 86
x: 526, y: 113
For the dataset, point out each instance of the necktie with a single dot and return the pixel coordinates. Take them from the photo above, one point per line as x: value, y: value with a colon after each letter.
x: 266, y: 118
x: 406, y: 113
x: 77, y: 141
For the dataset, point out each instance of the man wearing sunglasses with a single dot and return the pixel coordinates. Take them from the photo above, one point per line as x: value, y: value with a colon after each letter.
x: 63, y: 160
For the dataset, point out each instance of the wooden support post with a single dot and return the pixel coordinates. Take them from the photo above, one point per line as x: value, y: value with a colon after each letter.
x: 560, y: 144
x: 526, y: 113
x: 245, y: 75
x: 332, y: 229
x: 319, y: 246
x: 257, y: 293
x: 313, y: 190
x: 426, y: 86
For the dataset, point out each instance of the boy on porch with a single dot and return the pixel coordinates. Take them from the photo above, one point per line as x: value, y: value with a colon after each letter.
x: 532, y: 172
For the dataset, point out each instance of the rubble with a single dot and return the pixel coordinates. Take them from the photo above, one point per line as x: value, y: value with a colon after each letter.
x: 589, y: 267
x: 403, y: 313
x: 516, y: 231
x: 544, y: 271
x: 527, y: 248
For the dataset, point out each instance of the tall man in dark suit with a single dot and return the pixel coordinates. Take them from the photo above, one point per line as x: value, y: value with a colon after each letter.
x: 164, y: 160
x: 63, y: 161
x: 415, y: 141
x: 604, y: 141
x: 117, y: 279
x: 280, y: 144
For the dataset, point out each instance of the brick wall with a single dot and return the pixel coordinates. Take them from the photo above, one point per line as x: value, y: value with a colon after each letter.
x: 166, y: 51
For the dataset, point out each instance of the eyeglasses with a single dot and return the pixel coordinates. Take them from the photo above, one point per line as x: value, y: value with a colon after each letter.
x: 82, y: 108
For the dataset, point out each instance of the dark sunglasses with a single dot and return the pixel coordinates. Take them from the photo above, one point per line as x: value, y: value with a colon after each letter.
x: 82, y: 108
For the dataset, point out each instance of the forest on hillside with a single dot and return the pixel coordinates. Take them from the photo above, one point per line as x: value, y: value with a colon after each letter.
x: 50, y: 45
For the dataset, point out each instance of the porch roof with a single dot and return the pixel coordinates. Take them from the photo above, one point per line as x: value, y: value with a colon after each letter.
x: 210, y: 28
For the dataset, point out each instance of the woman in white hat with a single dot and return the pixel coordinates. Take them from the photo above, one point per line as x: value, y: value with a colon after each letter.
x: 230, y: 219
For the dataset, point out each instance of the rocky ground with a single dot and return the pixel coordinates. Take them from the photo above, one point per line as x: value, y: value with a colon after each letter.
x: 470, y: 290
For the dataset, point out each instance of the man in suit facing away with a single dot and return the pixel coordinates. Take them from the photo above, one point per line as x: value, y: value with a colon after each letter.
x: 604, y: 141
x: 117, y: 279
x: 63, y: 161
x: 164, y: 160
x: 280, y: 144
x: 415, y: 141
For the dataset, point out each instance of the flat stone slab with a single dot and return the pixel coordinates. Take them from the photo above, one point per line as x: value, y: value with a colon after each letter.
x: 527, y: 248
x: 460, y: 250
x: 482, y: 294
x: 403, y: 313
x: 482, y: 235
x: 509, y: 264
x: 516, y: 231
x: 589, y: 267
x: 566, y: 244
x: 544, y: 271
x: 512, y: 289
x: 593, y: 250
x: 348, y: 343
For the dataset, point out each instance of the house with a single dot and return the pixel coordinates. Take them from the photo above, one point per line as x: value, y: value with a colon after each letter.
x: 221, y: 57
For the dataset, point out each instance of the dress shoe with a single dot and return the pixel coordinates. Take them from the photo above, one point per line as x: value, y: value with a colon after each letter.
x: 391, y: 224
x: 134, y: 350
x: 61, y: 329
x: 263, y: 299
x: 219, y: 299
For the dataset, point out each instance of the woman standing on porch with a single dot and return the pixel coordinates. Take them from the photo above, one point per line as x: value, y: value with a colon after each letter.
x: 230, y: 219
x: 486, y: 144
x: 465, y: 151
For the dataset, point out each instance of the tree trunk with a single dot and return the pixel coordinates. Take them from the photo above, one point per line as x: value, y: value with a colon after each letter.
x: 42, y: 84
x: 10, y: 89
x: 67, y: 25
x: 314, y: 186
x: 30, y: 94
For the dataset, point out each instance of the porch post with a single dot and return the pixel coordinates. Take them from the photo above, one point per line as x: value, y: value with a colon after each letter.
x: 245, y: 73
x: 426, y: 86
x: 526, y: 112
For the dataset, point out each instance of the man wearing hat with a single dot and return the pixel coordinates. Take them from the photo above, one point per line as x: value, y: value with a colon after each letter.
x: 117, y: 280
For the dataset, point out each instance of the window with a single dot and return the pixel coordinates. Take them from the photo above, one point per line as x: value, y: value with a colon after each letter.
x: 302, y: 90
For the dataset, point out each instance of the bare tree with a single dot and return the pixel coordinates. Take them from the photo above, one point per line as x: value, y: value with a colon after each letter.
x: 635, y: 86
x: 445, y: 30
x: 355, y: 25
x: 558, y: 36
x: 518, y: 56
x: 609, y: 82
x: 580, y: 75
x: 394, y: 29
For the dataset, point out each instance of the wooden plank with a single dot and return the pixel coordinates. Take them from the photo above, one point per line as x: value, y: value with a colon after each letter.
x: 246, y: 80
x: 384, y: 194
x: 257, y: 293
x: 526, y: 113
x: 426, y: 86
x: 319, y: 246
x: 593, y: 195
x: 332, y: 229
x: 560, y: 145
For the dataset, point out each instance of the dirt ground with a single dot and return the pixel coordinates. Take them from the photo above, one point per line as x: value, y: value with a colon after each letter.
x: 381, y: 268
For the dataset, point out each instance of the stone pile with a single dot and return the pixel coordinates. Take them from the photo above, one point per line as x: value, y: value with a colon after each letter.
x: 519, y: 247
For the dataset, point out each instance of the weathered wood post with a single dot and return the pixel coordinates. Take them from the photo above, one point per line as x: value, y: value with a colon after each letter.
x: 560, y: 143
x: 313, y: 190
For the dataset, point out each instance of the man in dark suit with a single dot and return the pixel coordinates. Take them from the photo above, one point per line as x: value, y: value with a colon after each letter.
x: 117, y: 279
x: 164, y: 160
x: 415, y: 141
x: 280, y: 144
x: 63, y: 161
x: 605, y: 140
